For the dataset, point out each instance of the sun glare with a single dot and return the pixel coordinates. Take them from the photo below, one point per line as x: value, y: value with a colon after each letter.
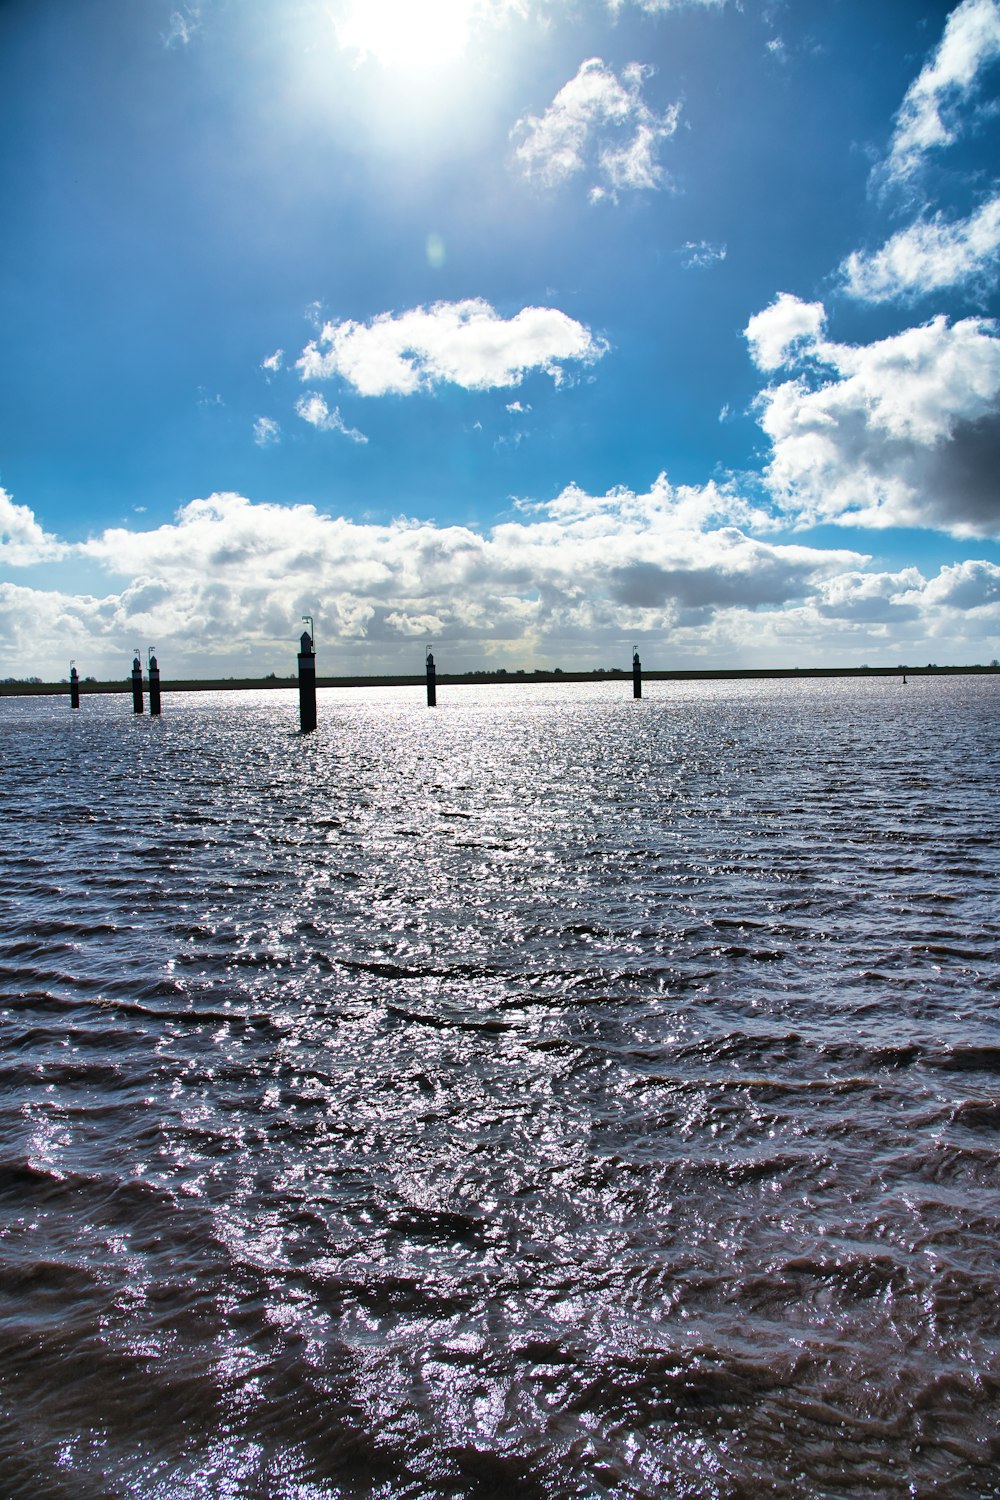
x: 411, y: 34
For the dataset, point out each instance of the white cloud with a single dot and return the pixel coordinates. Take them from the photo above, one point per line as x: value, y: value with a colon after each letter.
x: 958, y: 607
x: 967, y: 586
x: 597, y: 122
x: 927, y: 257
x: 927, y: 118
x: 517, y: 406
x: 266, y: 431
x: 874, y: 598
x: 632, y: 165
x: 901, y: 432
x: 312, y: 408
x: 272, y: 363
x: 182, y: 27
x: 23, y: 543
x: 228, y: 569
x: 221, y: 588
x: 464, y: 343
x: 786, y: 325
x: 701, y: 253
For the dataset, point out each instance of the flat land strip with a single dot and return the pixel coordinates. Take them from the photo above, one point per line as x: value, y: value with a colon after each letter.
x: 503, y: 679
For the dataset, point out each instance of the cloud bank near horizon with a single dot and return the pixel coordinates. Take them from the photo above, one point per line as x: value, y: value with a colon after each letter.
x: 222, y: 588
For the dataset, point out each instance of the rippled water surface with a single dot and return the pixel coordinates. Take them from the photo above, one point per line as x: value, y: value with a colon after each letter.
x: 548, y: 1095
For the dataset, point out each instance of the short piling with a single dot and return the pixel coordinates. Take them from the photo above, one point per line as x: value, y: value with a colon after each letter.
x: 137, y: 685
x: 154, y: 685
x: 636, y: 675
x: 74, y: 688
x: 432, y: 692
x: 307, y: 683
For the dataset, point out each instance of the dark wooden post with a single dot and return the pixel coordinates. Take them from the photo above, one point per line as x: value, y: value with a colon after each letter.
x: 432, y: 692
x: 137, y: 685
x: 74, y: 688
x: 154, y: 685
x: 636, y: 674
x: 307, y: 683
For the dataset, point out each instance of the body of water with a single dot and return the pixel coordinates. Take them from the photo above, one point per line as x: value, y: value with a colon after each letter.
x: 549, y: 1095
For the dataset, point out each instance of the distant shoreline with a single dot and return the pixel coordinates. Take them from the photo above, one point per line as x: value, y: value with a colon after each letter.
x: 500, y: 679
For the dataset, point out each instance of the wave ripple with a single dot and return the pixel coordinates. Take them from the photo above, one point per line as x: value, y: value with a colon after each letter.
x: 550, y: 1096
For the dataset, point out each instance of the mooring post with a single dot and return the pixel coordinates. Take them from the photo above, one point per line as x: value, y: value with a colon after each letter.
x: 137, y: 684
x: 636, y: 674
x: 307, y: 680
x: 74, y: 687
x: 432, y: 692
x: 154, y: 684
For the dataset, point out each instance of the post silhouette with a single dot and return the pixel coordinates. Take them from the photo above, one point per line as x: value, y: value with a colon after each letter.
x: 154, y: 685
x: 307, y: 681
x: 137, y: 684
x: 636, y: 674
x: 74, y: 687
x: 432, y: 692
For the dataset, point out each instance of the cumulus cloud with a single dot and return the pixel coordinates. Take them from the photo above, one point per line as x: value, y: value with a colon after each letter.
x: 312, y: 408
x: 222, y: 588
x: 228, y: 570
x: 597, y: 122
x: 787, y: 324
x: 901, y: 432
x: 42, y: 630
x: 23, y: 542
x: 648, y: 552
x: 966, y: 586
x: 928, y: 118
x: 871, y: 598
x: 272, y: 362
x: 266, y: 431
x: 465, y: 343
x: 927, y: 257
x: 912, y: 615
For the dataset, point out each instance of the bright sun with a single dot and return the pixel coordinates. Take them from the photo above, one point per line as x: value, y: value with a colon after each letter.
x: 412, y: 34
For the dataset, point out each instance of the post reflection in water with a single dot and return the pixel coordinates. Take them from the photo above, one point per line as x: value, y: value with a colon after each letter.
x: 530, y: 1098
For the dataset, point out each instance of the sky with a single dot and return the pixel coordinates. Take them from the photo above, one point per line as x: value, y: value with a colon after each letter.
x: 536, y: 330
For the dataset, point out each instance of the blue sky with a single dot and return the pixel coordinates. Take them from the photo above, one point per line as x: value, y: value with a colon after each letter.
x: 529, y: 327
